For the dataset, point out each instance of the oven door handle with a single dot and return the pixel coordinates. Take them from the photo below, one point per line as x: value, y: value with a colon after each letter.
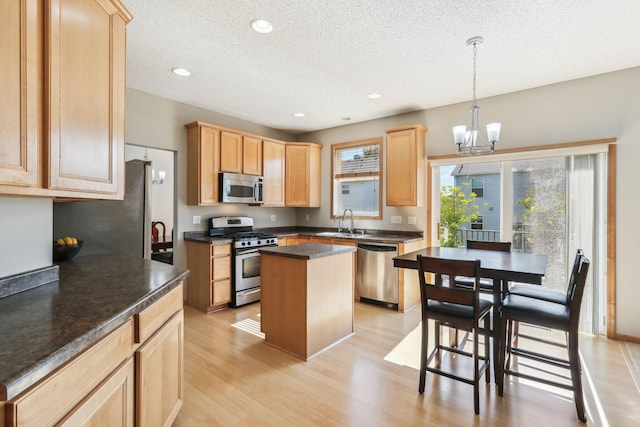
x: 250, y: 251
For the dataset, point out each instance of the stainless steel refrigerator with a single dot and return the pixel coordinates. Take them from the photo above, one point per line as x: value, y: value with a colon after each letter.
x: 111, y: 226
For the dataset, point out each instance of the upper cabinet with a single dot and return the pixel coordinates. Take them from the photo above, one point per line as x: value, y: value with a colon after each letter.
x: 273, y: 172
x: 70, y: 105
x: 251, y: 155
x: 230, y: 152
x: 203, y: 154
x: 405, y: 165
x: 240, y: 153
x: 302, y: 174
x: 20, y: 75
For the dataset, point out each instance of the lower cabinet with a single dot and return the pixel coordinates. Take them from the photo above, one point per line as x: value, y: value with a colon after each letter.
x: 159, y: 379
x: 111, y: 403
x: 209, y: 284
x: 133, y: 376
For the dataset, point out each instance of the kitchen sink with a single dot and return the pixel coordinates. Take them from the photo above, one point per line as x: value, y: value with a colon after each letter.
x: 341, y: 234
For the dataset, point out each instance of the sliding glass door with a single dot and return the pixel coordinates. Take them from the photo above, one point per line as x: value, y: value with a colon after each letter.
x: 551, y: 206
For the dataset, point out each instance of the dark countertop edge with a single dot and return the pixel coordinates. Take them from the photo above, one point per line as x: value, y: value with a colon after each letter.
x: 372, y: 235
x: 74, y: 348
x: 21, y: 282
x: 307, y: 250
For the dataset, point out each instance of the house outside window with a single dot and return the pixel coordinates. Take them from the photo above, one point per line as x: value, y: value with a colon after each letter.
x: 357, y: 173
x: 477, y: 186
x: 477, y: 224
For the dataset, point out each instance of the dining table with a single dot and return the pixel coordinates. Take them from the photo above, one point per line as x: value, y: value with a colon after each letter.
x: 501, y: 267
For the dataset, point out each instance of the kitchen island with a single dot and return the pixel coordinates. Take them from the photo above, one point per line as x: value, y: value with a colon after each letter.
x: 307, y: 297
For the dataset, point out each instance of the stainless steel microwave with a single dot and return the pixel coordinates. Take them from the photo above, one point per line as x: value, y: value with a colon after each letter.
x: 239, y: 188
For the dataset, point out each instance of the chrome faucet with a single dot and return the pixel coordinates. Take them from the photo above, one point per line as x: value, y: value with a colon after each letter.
x: 350, y: 229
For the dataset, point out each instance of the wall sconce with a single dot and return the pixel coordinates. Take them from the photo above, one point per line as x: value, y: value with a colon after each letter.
x: 161, y: 176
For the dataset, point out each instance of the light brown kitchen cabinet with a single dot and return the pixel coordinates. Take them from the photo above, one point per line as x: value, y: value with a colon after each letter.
x: 110, y: 404
x: 20, y: 75
x: 302, y: 174
x: 203, y: 152
x: 68, y: 391
x: 273, y: 172
x: 63, y: 62
x: 405, y: 165
x: 251, y: 155
x: 209, y: 285
x: 230, y: 152
x: 133, y: 373
x: 159, y: 375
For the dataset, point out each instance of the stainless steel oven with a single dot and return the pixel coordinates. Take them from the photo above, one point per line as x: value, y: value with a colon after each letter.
x: 246, y: 258
x: 246, y: 276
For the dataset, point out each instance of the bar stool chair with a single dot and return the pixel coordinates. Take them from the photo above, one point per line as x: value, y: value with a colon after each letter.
x: 549, y: 314
x: 455, y: 308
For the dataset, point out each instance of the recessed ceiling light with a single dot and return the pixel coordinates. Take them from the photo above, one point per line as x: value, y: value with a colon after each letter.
x: 261, y: 26
x: 298, y: 114
x: 374, y: 95
x: 183, y: 72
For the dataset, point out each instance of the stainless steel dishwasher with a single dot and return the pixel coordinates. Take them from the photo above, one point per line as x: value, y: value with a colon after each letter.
x: 376, y: 277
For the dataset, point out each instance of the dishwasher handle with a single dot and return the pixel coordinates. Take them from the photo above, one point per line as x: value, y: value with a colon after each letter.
x: 377, y: 248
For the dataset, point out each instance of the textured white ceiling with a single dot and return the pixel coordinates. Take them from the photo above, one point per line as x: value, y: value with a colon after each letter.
x: 324, y: 56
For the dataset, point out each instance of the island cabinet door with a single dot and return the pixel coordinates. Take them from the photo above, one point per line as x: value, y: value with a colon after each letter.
x: 159, y: 375
x: 85, y: 95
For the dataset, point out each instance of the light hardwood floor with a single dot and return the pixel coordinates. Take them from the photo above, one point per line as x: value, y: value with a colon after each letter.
x: 233, y: 379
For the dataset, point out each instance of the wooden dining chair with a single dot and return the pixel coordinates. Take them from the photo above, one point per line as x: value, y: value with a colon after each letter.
x: 552, y: 315
x: 457, y: 308
x: 486, y: 285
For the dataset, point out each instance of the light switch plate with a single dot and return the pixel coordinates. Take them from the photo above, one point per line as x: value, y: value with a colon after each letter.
x: 411, y: 220
x: 396, y: 219
x: 273, y: 217
x: 196, y: 219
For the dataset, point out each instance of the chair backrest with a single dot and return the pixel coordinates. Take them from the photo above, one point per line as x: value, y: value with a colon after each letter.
x: 489, y: 246
x: 574, y: 271
x: 155, y: 231
x: 444, y: 267
x: 577, y: 284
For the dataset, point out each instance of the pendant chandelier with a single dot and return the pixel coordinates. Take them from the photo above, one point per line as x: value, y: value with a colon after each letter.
x: 470, y: 142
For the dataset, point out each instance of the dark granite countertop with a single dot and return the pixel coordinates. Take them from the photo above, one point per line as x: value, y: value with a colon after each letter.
x: 307, y: 250
x: 381, y: 236
x: 44, y: 327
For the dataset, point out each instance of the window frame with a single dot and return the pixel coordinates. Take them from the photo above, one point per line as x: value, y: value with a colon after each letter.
x: 471, y: 179
x: 349, y: 145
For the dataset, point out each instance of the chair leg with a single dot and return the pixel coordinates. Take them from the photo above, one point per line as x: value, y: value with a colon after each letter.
x: 476, y: 373
x: 487, y: 351
x: 576, y: 378
x: 516, y: 332
x: 437, y: 330
x: 424, y: 353
x: 503, y: 325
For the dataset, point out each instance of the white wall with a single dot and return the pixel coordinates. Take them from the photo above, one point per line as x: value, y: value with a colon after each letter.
x: 591, y: 108
x: 26, y: 227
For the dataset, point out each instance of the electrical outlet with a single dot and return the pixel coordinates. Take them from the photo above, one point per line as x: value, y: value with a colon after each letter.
x: 306, y: 217
x: 396, y: 219
x: 273, y: 217
x: 196, y: 219
x: 411, y: 220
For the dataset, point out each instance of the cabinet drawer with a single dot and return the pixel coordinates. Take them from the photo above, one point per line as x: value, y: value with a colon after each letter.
x: 221, y: 292
x: 55, y: 396
x: 152, y: 318
x: 221, y: 250
x: 221, y: 268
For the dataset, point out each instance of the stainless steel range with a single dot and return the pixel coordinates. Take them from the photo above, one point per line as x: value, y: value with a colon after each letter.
x: 246, y: 258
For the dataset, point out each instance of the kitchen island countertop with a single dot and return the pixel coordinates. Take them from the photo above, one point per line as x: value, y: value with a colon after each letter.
x: 307, y: 250
x: 44, y: 327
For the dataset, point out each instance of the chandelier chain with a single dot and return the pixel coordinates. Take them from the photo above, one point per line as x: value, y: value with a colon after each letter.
x: 475, y: 51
